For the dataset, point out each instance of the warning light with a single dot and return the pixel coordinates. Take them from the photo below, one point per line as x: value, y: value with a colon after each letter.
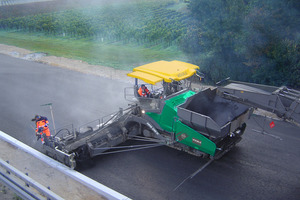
x: 272, y: 124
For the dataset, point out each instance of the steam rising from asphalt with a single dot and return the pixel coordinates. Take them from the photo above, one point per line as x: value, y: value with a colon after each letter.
x: 76, y: 98
x: 84, y: 98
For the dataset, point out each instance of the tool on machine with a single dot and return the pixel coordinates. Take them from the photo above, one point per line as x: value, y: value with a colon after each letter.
x: 51, y: 111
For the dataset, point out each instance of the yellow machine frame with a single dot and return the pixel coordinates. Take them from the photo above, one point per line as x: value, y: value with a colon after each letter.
x: 167, y: 71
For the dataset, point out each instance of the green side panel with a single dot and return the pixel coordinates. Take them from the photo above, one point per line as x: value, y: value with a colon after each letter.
x: 168, y: 120
x: 169, y: 113
x: 190, y: 137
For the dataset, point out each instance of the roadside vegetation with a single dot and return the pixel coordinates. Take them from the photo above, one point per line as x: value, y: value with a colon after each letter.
x: 122, y: 35
x: 255, y: 41
x: 111, y: 54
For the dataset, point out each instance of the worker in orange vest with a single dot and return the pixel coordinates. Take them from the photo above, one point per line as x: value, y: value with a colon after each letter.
x: 42, y: 124
x: 143, y: 91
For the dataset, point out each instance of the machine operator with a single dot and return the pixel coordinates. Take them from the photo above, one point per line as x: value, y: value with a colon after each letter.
x: 143, y: 91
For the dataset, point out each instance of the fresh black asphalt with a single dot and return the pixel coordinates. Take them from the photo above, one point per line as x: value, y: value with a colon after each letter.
x: 259, y: 167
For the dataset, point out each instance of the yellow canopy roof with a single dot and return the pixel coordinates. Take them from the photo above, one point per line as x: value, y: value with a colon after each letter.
x: 164, y: 70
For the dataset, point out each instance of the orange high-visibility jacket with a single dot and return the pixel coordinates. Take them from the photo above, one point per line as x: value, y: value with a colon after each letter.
x: 144, y: 93
x: 43, y: 124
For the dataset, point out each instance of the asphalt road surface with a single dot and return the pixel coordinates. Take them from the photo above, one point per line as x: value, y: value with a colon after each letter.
x: 260, y: 167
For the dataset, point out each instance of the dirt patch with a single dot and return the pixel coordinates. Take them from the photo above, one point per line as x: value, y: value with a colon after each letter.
x: 6, y: 193
x: 76, y: 65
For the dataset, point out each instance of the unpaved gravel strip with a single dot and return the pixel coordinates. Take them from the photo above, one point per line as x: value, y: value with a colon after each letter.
x: 76, y: 65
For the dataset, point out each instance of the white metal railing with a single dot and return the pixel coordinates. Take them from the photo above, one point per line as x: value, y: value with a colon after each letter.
x: 76, y: 176
x: 23, y: 185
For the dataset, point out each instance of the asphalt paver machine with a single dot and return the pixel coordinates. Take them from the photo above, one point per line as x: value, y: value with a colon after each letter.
x: 205, y: 122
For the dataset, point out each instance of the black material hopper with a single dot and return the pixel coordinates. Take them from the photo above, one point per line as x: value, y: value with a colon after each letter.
x: 211, y: 114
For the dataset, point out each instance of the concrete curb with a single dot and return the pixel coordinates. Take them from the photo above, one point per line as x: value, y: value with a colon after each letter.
x: 95, y: 186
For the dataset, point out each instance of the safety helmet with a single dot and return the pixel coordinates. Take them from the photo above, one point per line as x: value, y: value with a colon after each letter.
x: 36, y: 117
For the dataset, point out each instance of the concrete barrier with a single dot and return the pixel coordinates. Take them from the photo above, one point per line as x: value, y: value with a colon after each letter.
x: 51, y: 173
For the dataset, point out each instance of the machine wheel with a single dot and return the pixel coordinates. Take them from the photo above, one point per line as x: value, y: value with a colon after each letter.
x: 133, y: 129
x: 147, y: 133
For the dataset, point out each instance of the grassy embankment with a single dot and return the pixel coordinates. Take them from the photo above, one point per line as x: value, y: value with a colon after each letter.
x: 117, y: 55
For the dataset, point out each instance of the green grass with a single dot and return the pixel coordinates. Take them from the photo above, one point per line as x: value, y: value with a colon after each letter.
x: 116, y: 55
